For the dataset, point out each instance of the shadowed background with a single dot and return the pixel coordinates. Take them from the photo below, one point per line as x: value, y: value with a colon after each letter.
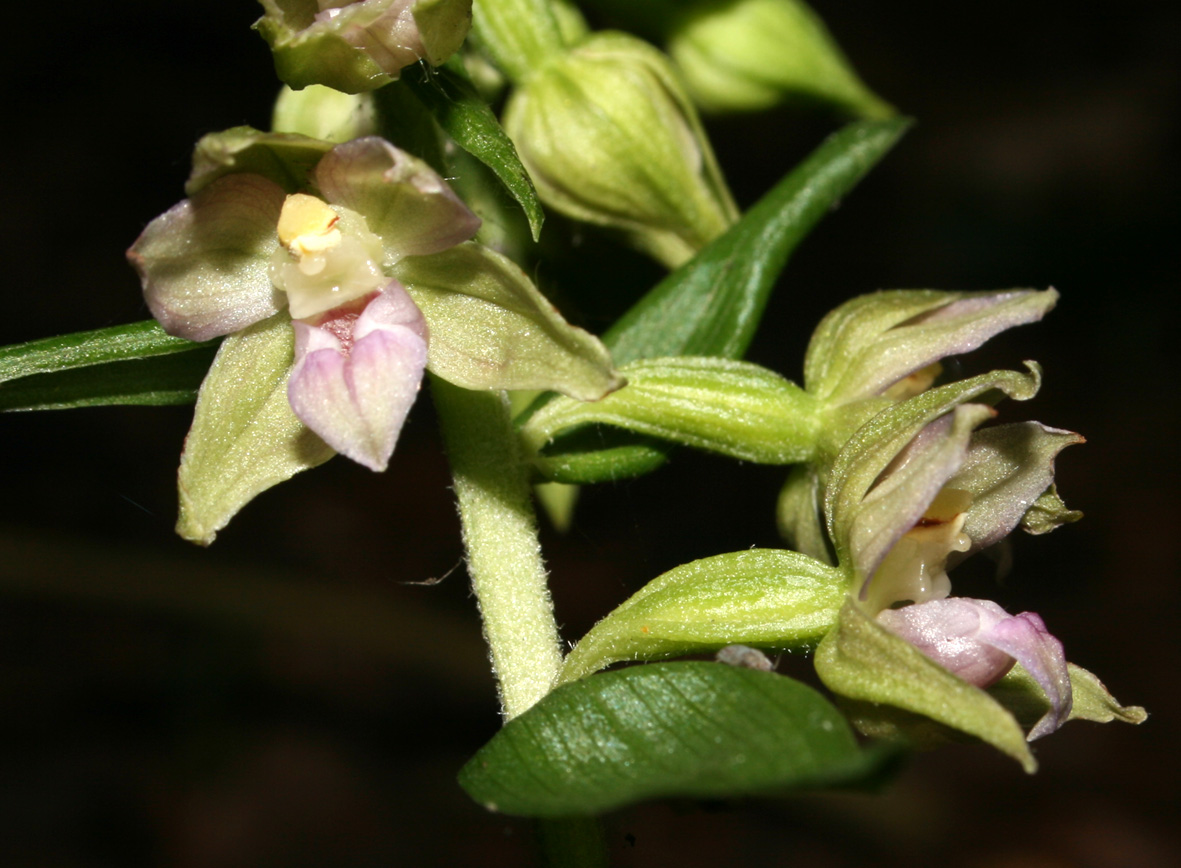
x: 289, y: 697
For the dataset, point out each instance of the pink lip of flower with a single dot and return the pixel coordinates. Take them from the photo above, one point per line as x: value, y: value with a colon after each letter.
x: 980, y: 642
x: 206, y: 270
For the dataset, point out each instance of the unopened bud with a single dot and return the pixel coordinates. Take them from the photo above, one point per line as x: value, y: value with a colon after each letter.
x: 748, y: 55
x: 610, y: 137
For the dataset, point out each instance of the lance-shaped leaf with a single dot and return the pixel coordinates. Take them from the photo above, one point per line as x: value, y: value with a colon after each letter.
x: 244, y: 437
x: 688, y: 730
x: 136, y: 363
x: 764, y: 597
x: 733, y: 408
x: 870, y: 343
x: 470, y: 123
x: 491, y: 328
x: 864, y: 661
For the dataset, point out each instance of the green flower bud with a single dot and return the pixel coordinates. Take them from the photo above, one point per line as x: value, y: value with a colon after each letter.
x: 610, y: 137
x: 324, y: 113
x: 749, y: 55
x: 359, y: 46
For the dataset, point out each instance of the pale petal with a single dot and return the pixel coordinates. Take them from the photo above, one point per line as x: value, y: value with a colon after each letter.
x: 404, y: 201
x: 204, y: 263
x: 949, y: 632
x: 357, y: 402
x: 979, y: 641
x: 1027, y: 640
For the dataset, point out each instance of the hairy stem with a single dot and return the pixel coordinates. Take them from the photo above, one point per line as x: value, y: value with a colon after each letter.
x: 500, y: 535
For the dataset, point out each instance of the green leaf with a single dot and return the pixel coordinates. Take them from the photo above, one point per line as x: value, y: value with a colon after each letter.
x: 712, y: 305
x: 472, y: 125
x: 128, y: 364
x: 721, y: 405
x: 244, y: 438
x: 768, y: 598
x: 689, y: 729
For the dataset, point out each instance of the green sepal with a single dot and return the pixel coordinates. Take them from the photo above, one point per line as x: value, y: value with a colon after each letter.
x: 468, y: 121
x: 865, y: 662
x: 798, y: 515
x: 1024, y: 697
x: 872, y: 341
x: 287, y: 159
x: 683, y: 730
x: 733, y: 408
x: 769, y: 598
x: 1004, y: 465
x: 1048, y: 513
x: 871, y: 449
x: 137, y: 363
x: 490, y: 327
x: 244, y: 437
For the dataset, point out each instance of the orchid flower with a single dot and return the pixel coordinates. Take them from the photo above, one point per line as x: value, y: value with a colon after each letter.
x: 917, y: 489
x: 361, y: 343
x: 876, y: 350
x: 362, y: 246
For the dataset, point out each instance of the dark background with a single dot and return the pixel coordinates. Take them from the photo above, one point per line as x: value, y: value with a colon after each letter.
x: 287, y: 698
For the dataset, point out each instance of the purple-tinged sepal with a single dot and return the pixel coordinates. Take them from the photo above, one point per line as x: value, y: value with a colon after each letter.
x: 914, y: 491
x: 204, y: 263
x: 875, y: 343
x: 359, y: 46
x: 357, y: 374
x: 405, y: 202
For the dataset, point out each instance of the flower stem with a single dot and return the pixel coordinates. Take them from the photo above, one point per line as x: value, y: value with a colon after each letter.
x: 500, y: 535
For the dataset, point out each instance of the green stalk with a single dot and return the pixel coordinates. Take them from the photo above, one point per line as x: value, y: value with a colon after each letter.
x: 500, y: 536
x: 509, y: 579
